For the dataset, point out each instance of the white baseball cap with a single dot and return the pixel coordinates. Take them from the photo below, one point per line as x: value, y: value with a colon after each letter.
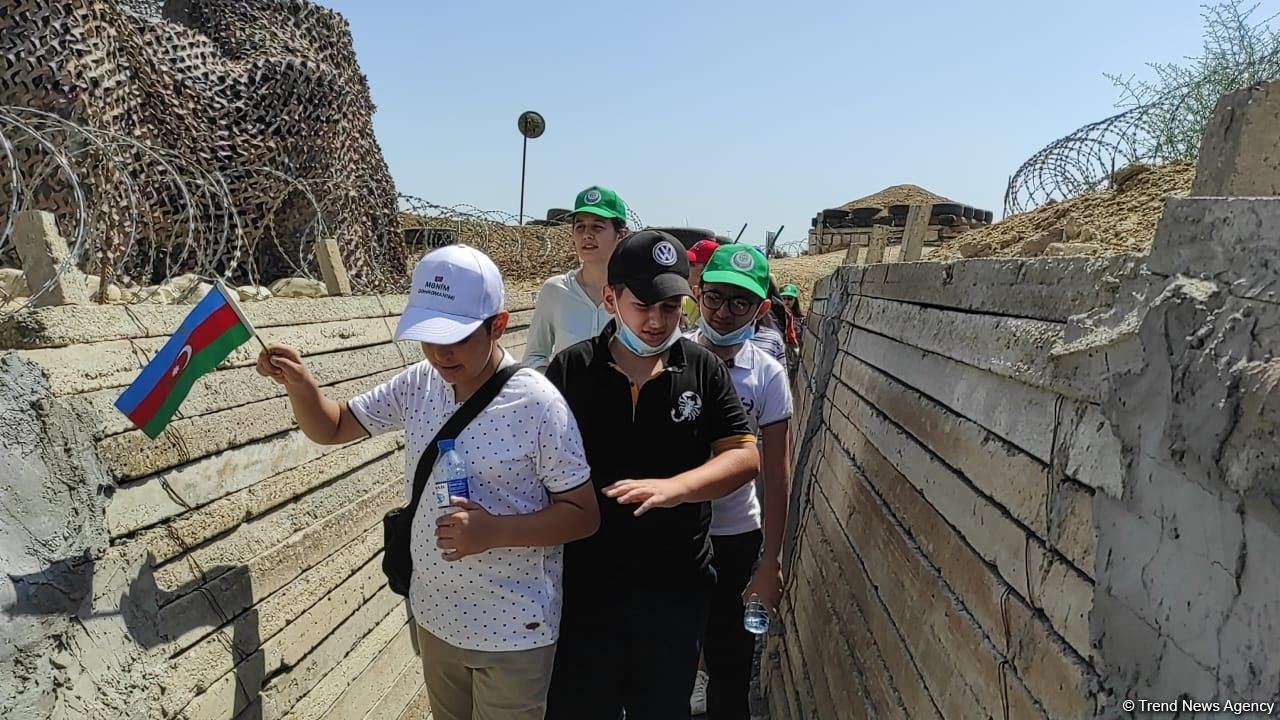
x: 454, y: 290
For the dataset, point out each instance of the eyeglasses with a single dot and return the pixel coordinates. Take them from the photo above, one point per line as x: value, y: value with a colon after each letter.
x: 738, y: 306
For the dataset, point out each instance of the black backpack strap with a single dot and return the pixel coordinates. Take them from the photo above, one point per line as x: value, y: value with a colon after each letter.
x: 458, y: 422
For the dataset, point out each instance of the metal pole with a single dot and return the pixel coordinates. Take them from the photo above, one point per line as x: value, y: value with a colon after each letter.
x: 524, y: 155
x: 739, y: 237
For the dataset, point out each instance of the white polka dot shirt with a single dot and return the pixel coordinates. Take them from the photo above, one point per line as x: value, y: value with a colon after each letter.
x: 521, y: 447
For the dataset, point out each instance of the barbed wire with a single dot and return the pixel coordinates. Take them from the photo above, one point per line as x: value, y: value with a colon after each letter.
x: 147, y: 224
x: 1085, y: 160
x: 1163, y: 120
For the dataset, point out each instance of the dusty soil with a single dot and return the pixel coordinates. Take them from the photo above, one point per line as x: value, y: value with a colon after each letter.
x: 1122, y: 220
x: 897, y: 195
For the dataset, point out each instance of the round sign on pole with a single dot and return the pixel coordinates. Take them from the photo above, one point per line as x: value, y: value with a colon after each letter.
x: 531, y: 124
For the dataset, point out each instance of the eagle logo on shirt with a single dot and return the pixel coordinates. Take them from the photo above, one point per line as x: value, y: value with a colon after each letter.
x: 687, y: 408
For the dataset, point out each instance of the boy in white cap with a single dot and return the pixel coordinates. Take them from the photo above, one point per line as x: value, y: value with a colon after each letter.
x: 486, y: 582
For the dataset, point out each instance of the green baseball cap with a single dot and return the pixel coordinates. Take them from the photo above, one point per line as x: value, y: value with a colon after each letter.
x: 740, y: 265
x: 789, y: 291
x: 600, y: 201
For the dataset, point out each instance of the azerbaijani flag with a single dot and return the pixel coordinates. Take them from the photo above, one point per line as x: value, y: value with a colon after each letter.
x: 214, y: 328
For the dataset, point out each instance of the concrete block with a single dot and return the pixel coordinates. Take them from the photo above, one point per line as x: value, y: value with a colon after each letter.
x: 815, y: 692
x: 913, y: 233
x: 986, y: 528
x: 1231, y: 240
x: 1239, y: 155
x: 901, y: 670
x: 1016, y: 481
x: 194, y: 528
x: 956, y: 663
x: 1168, y: 582
x: 1065, y: 594
x: 1048, y: 289
x: 378, y: 678
x: 159, y: 497
x: 246, y: 541
x: 1012, y: 347
x: 134, y: 455
x: 520, y: 319
x: 1089, y: 449
x: 1021, y: 414
x: 877, y: 244
x: 418, y: 708
x: 992, y: 533
x: 406, y: 689
x: 1249, y: 657
x: 332, y: 269
x: 373, y: 625
x: 227, y: 389
x: 852, y: 628
x: 1249, y: 463
x: 836, y: 676
x: 54, y: 327
x: 326, y: 595
x: 116, y: 364
x: 193, y: 615
x: 1071, y: 528
x: 51, y: 272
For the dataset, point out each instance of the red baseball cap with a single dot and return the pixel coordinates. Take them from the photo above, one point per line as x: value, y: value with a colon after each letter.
x: 701, y: 252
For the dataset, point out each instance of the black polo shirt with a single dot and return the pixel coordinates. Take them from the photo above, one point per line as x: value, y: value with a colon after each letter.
x: 670, y: 425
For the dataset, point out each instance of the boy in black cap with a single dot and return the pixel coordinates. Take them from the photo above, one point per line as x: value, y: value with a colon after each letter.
x: 665, y: 433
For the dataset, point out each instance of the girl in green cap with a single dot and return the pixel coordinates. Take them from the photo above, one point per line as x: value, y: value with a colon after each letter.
x: 570, y: 307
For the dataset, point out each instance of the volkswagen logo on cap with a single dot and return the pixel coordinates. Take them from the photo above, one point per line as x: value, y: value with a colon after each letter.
x: 664, y: 254
x: 743, y: 261
x: 592, y: 197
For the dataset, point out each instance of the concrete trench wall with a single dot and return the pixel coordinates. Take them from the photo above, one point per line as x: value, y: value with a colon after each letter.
x: 228, y: 569
x: 1037, y: 489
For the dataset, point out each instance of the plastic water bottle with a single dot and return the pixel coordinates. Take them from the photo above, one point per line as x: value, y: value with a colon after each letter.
x: 455, y: 482
x: 756, y: 618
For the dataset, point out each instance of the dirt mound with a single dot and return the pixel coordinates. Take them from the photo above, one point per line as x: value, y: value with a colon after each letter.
x: 1110, y: 222
x: 897, y: 195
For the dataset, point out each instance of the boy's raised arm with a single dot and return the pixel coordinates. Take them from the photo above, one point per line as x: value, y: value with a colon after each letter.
x: 322, y: 419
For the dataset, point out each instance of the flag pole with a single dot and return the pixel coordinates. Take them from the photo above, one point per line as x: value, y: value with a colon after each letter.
x: 233, y: 301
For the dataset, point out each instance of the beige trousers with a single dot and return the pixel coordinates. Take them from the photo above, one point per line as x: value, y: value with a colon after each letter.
x: 478, y: 685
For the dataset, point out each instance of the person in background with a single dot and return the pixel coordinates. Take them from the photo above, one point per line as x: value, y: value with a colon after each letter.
x: 790, y: 295
x: 699, y: 254
x: 665, y: 434
x: 570, y: 307
x: 485, y: 593
x: 771, y: 328
x: 733, y: 296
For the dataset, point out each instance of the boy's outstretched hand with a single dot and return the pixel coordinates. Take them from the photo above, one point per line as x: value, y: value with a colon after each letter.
x: 649, y: 494
x: 283, y: 364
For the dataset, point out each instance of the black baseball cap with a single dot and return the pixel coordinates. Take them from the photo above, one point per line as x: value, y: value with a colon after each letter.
x: 652, y: 265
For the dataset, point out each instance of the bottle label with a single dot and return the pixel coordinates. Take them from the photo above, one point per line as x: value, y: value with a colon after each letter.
x: 452, y: 487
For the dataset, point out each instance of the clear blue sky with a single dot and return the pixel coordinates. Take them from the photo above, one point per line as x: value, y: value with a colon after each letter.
x: 718, y: 113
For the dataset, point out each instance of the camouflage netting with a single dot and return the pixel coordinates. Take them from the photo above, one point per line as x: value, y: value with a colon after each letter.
x: 257, y: 102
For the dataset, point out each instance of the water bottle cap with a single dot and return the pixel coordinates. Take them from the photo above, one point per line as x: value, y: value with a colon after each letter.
x: 445, y: 445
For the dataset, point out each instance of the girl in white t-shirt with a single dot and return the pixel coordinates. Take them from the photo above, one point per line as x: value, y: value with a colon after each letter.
x: 570, y: 307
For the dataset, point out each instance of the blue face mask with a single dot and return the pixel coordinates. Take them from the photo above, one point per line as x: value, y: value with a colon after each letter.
x: 632, y: 342
x: 737, y: 337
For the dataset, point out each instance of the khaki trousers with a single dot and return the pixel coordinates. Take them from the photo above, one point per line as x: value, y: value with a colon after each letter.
x: 479, y: 685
